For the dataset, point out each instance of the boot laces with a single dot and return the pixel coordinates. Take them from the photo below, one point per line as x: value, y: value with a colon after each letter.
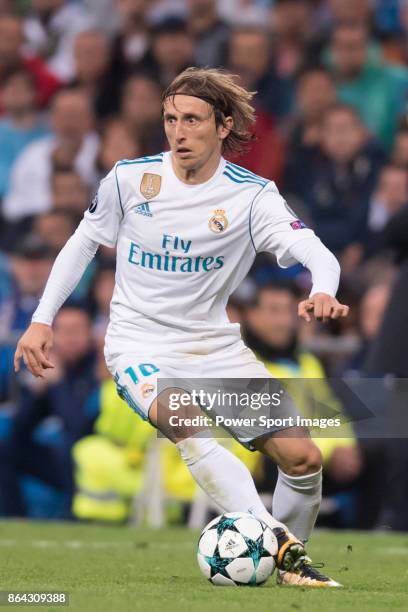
x: 310, y: 570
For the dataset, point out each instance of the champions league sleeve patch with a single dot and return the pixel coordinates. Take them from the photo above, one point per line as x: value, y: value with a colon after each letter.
x: 298, y: 224
x: 93, y: 204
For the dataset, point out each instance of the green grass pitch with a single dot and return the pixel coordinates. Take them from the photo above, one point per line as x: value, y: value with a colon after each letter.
x: 125, y: 569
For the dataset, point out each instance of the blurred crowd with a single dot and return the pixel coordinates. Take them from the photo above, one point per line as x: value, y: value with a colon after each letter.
x: 80, y: 88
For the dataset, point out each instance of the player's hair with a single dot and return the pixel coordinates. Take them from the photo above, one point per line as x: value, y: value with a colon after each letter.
x: 227, y: 98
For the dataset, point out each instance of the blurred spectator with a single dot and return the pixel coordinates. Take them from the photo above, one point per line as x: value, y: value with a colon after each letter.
x: 131, y: 42
x: 31, y: 264
x: 50, y: 30
x: 171, y: 50
x: 117, y: 143
x: 21, y: 123
x: 266, y: 154
x: 388, y: 355
x: 394, y: 29
x: 271, y: 330
x: 250, y: 57
x: 330, y: 13
x: 370, y: 315
x: 387, y: 16
x: 343, y: 11
x: 6, y: 7
x: 315, y: 94
x: 92, y: 68
x: 54, y: 229
x: 399, y: 154
x: 66, y: 396
x: 101, y: 295
x: 110, y: 463
x: 378, y: 91
x: 335, y: 184
x: 12, y: 58
x: 69, y: 193
x: 210, y: 32
x: 73, y: 146
x: 291, y: 30
x: 239, y: 12
x: 104, y: 14
x: 390, y: 196
x: 161, y: 9
x: 141, y: 113
x: 371, y: 488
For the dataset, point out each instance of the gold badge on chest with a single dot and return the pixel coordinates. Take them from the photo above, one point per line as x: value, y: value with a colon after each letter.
x: 218, y: 222
x: 150, y: 185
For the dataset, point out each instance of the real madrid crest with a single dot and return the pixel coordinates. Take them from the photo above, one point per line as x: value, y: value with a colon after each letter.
x: 150, y: 185
x: 218, y: 222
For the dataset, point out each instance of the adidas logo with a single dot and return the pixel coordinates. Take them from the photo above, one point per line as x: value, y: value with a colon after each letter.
x: 143, y: 209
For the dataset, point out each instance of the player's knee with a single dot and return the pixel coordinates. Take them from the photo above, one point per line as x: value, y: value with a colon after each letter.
x: 193, y: 449
x: 176, y: 425
x: 308, y: 461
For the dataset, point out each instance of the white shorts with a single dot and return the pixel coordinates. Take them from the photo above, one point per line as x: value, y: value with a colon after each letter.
x: 138, y: 377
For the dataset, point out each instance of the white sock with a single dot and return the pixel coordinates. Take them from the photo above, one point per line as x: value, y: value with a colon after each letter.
x: 296, y: 502
x: 223, y: 477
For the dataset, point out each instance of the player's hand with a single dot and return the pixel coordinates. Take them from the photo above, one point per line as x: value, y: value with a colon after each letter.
x: 323, y: 307
x: 34, y: 346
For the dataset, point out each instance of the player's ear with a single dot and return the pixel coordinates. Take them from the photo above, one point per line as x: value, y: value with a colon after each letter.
x: 225, y: 128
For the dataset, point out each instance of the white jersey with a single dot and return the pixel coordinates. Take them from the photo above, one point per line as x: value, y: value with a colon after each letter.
x: 183, y: 249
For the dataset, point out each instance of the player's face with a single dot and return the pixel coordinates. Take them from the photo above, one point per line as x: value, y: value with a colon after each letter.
x: 190, y: 128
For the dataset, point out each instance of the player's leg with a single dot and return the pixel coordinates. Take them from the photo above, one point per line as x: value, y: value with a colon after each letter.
x: 222, y: 475
x: 297, y: 495
x: 298, y: 492
x: 225, y: 479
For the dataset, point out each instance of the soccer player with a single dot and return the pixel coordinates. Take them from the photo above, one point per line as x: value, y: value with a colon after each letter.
x: 187, y: 225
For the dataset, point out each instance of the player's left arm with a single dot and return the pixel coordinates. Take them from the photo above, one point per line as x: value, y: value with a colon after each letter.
x: 325, y: 271
x: 275, y: 229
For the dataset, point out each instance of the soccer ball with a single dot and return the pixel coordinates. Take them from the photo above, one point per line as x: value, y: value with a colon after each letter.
x: 236, y: 549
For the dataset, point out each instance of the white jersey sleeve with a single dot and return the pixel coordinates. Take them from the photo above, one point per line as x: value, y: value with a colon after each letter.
x: 66, y: 272
x: 274, y: 227
x: 102, y: 219
x: 100, y: 225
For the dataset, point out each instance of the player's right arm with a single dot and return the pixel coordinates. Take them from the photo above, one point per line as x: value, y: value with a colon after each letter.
x: 100, y: 225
